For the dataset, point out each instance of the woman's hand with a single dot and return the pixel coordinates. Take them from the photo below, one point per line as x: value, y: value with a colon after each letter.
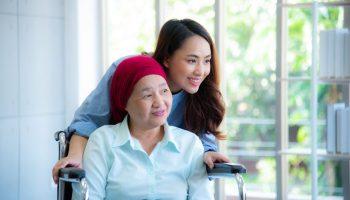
x: 211, y: 157
x: 70, y: 160
x: 74, y: 158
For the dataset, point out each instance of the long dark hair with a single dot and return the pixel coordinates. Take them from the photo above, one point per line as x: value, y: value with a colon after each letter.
x: 205, y: 109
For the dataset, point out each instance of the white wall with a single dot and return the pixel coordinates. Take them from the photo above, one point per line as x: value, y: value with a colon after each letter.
x: 31, y: 95
x: 50, y: 59
x: 83, y: 51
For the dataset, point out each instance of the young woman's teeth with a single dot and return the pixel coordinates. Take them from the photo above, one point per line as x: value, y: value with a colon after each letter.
x: 195, y: 80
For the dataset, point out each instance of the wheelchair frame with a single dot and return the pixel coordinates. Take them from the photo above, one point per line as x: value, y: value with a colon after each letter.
x: 70, y: 175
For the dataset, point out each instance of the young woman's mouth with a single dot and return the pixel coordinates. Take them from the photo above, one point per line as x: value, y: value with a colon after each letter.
x: 195, y: 81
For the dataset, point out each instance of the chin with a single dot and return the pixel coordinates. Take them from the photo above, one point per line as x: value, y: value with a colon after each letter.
x: 159, y: 122
x: 192, y: 90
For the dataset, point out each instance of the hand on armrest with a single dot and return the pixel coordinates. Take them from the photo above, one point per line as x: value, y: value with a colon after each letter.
x: 225, y: 170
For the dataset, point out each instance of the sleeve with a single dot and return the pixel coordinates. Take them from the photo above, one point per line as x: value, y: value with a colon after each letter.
x: 198, y: 182
x: 209, y: 142
x: 95, y: 110
x: 96, y: 162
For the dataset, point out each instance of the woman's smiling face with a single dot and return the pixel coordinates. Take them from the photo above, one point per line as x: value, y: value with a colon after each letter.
x: 150, y: 102
x: 189, y: 65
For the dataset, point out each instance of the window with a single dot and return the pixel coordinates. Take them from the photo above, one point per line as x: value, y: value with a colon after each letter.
x: 249, y: 72
x: 249, y: 67
x: 250, y: 94
x: 128, y: 31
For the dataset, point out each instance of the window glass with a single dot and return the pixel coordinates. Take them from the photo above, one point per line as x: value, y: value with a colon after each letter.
x: 128, y: 32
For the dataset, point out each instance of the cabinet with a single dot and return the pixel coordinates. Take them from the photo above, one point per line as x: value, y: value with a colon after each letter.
x: 314, y: 150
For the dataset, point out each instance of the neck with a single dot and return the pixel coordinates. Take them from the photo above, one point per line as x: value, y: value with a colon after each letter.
x: 173, y: 88
x: 148, y: 137
x: 146, y: 134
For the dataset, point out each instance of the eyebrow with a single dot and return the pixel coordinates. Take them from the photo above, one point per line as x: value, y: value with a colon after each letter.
x: 192, y: 55
x: 150, y: 88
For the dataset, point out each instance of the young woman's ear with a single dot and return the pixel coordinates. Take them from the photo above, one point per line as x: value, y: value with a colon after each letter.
x: 166, y: 63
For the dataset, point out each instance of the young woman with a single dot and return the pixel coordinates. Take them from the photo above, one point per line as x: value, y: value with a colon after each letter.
x: 188, y: 55
x: 142, y: 157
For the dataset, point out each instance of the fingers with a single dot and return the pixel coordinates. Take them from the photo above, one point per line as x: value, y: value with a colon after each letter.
x: 223, y: 158
x: 60, y: 164
x: 210, y: 163
x: 214, y: 157
x: 218, y: 157
x: 64, y: 162
x: 208, y: 160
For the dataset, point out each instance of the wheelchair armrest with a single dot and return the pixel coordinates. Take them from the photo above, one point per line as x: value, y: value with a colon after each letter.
x: 225, y: 170
x: 71, y: 174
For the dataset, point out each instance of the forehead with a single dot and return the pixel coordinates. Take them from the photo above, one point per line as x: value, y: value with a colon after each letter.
x: 195, y: 45
x: 149, y: 82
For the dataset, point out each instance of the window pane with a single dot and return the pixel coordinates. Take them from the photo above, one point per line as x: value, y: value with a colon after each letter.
x: 299, y: 99
x: 201, y: 11
x: 330, y: 173
x: 299, y: 41
x: 299, y: 179
x: 129, y: 33
x: 251, y: 137
x: 309, y: 1
x: 250, y: 93
x: 299, y: 113
x: 260, y: 180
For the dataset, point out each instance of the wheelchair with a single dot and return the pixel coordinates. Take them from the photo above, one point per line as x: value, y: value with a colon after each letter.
x: 70, y: 175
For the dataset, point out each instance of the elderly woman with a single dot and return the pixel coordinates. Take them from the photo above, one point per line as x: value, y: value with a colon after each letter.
x: 142, y: 157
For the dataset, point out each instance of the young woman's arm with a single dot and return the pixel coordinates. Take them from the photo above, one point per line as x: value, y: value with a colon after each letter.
x: 93, y: 113
x: 210, y: 148
x: 208, y: 141
x: 74, y: 158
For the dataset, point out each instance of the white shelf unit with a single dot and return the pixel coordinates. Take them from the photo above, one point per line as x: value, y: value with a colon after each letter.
x: 282, y: 80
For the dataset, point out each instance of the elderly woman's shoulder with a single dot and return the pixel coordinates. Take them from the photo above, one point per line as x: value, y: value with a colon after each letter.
x: 104, y: 133
x: 188, y: 142
x: 185, y: 136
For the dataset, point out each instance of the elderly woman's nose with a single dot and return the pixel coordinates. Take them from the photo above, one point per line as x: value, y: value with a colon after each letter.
x: 158, y: 100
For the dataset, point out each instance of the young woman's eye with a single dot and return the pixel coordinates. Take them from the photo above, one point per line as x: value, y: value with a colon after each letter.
x: 207, y: 61
x: 191, y: 61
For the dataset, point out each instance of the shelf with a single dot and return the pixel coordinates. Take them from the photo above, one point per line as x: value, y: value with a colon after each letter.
x: 334, y: 80
x: 295, y: 78
x: 321, y: 154
x: 309, y: 5
x: 251, y: 153
x: 313, y: 152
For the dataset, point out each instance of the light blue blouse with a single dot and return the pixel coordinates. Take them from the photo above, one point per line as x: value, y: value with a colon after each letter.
x: 117, y: 167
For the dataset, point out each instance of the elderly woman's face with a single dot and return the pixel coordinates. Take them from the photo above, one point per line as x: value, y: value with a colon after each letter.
x: 150, y: 102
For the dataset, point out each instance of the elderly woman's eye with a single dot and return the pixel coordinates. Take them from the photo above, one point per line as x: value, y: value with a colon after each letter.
x: 147, y: 96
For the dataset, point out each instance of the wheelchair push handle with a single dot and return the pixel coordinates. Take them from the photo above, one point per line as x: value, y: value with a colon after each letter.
x: 226, y: 168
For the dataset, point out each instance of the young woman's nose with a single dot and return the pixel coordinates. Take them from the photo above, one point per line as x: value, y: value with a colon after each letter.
x: 199, y: 69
